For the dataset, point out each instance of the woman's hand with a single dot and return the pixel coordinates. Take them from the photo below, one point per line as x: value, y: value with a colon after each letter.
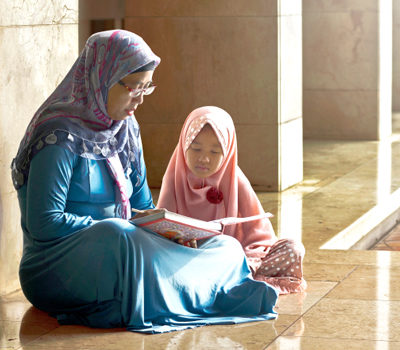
x: 141, y: 213
x: 191, y: 244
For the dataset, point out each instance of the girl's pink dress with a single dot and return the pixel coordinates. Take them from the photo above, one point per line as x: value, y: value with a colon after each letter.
x: 277, y: 262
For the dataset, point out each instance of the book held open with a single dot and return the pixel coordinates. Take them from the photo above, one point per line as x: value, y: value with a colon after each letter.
x: 176, y: 226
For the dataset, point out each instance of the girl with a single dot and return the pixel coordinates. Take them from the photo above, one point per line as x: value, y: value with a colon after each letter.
x: 203, y: 181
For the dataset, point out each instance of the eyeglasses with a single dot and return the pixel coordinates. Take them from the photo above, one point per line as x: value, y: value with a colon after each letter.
x: 137, y: 92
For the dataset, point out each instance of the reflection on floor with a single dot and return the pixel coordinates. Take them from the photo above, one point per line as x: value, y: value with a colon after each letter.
x: 353, y: 298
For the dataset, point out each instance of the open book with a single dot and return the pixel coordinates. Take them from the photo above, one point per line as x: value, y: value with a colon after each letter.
x: 176, y: 226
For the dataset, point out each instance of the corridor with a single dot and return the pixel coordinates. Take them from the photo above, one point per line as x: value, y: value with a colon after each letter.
x: 353, y: 296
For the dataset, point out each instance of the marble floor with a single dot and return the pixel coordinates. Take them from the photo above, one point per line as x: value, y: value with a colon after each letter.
x: 348, y: 200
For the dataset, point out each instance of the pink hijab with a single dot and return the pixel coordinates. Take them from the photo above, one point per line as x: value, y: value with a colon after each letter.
x: 184, y: 193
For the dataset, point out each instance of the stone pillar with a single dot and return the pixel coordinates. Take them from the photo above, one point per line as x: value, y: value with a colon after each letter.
x: 243, y: 56
x: 396, y: 56
x: 39, y: 43
x: 347, y: 69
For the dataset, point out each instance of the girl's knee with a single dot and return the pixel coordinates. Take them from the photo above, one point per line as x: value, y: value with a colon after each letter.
x: 297, y: 247
x: 293, y: 246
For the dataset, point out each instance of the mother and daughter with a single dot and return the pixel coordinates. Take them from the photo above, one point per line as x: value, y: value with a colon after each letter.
x: 80, y: 169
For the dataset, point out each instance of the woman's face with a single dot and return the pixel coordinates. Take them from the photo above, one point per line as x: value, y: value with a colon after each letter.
x: 204, y: 156
x: 119, y: 104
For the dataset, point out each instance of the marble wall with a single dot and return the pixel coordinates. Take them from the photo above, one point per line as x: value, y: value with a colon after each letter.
x: 38, y: 44
x: 242, y: 56
x: 102, y: 11
x: 396, y: 56
x: 347, y: 69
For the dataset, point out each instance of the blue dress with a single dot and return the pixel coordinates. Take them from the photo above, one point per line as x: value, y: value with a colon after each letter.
x: 84, y: 265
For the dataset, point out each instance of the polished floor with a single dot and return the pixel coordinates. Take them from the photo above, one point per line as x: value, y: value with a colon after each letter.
x: 353, y: 295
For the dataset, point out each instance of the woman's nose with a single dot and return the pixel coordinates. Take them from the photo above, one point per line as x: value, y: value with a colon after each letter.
x: 139, y: 99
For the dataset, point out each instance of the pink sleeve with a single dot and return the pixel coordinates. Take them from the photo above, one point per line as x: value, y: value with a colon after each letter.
x: 258, y: 236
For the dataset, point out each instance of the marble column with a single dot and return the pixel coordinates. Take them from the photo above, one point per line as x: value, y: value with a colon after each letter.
x: 242, y: 56
x: 347, y: 69
x: 99, y: 15
x: 38, y: 44
x: 396, y: 56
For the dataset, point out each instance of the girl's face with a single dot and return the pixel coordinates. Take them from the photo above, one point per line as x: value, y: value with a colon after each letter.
x: 119, y: 103
x: 204, y: 156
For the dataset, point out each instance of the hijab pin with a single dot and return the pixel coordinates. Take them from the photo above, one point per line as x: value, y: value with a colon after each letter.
x: 96, y: 150
x: 39, y: 145
x: 51, y: 139
x: 105, y: 151
x: 70, y: 137
x: 85, y: 149
x: 138, y: 181
x: 18, y: 178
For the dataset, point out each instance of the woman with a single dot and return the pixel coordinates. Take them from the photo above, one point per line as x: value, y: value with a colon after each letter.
x: 78, y: 171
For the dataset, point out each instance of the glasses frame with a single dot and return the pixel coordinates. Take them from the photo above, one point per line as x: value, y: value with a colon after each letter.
x: 137, y: 92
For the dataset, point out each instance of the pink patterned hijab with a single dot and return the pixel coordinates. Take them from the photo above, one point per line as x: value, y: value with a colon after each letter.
x: 226, y: 193
x: 75, y: 115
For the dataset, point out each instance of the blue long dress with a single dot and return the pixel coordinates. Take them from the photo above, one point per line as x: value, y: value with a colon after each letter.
x: 84, y: 265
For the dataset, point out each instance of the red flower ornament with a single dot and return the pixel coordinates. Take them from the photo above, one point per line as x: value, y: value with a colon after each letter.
x: 214, y: 196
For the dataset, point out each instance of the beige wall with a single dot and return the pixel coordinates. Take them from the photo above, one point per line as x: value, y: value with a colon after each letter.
x: 347, y: 69
x: 38, y: 44
x: 90, y: 10
x: 242, y: 56
x: 396, y: 55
